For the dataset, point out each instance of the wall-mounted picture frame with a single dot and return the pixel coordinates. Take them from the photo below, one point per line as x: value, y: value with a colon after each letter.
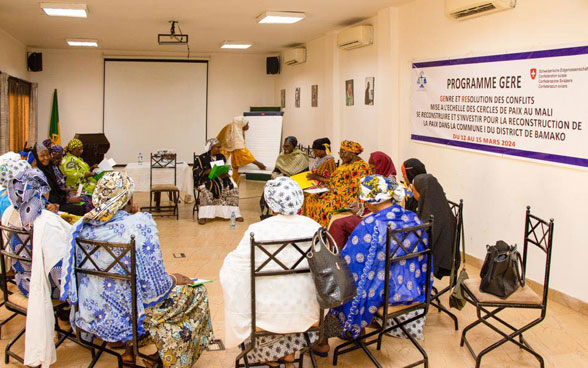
x: 349, y: 92
x: 314, y: 95
x: 283, y: 98
x: 297, y: 97
x: 369, y: 90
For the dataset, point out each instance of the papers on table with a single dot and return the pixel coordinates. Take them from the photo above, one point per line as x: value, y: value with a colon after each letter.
x: 303, y: 181
x: 316, y: 190
x: 103, y: 167
x: 79, y: 192
x: 198, y: 282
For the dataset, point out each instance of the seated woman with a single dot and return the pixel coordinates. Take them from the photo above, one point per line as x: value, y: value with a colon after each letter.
x: 432, y: 201
x: 175, y: 315
x: 342, y: 225
x: 411, y: 168
x: 291, y: 161
x: 324, y: 164
x: 76, y: 170
x: 343, y: 185
x: 285, y: 305
x: 11, y: 164
x: 40, y: 280
x: 219, y: 197
x: 365, y: 252
x: 57, y: 195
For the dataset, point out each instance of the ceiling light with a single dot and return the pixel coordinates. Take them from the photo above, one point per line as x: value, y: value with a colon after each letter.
x: 65, y: 10
x: 235, y: 45
x: 281, y: 17
x: 83, y: 43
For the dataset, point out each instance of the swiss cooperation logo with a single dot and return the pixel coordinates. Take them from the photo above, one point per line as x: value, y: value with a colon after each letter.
x: 421, y: 80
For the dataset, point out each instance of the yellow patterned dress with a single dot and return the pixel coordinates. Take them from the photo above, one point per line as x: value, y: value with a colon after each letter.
x: 344, y: 189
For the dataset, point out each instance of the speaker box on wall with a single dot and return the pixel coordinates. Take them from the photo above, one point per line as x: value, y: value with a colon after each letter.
x: 35, y: 62
x: 273, y: 65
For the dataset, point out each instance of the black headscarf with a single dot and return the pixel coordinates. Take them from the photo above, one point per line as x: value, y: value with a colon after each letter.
x: 56, y: 195
x: 413, y: 167
x: 292, y: 140
x: 432, y: 201
x: 321, y: 144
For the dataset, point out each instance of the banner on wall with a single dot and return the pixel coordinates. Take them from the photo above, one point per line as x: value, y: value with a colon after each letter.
x: 531, y: 104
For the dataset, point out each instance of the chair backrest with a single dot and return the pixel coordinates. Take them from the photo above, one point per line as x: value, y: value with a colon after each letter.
x: 457, y: 210
x: 538, y: 232
x: 397, y: 251
x: 23, y: 252
x: 165, y: 161
x: 283, y: 269
x: 115, y: 269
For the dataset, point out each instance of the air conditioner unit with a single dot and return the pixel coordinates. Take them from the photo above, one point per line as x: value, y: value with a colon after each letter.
x: 355, y: 37
x: 294, y: 56
x: 465, y: 9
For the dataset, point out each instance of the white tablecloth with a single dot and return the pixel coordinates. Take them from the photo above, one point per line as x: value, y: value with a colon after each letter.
x: 140, y: 175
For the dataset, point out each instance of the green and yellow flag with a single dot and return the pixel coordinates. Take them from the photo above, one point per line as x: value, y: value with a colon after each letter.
x: 54, y: 123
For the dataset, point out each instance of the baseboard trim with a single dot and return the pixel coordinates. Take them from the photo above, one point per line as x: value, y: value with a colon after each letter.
x: 555, y: 295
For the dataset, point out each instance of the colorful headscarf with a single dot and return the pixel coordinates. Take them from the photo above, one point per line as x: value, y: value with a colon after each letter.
x: 383, y: 164
x: 211, y: 142
x: 283, y: 195
x: 73, y: 144
x: 323, y: 144
x: 26, y: 192
x: 352, y: 147
x: 111, y: 194
x: 377, y: 189
x: 48, y: 143
x: 10, y: 166
x: 28, y: 156
x: 56, y: 149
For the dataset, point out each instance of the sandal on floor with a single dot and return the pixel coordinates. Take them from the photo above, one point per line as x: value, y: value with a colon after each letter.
x: 240, y: 219
x: 320, y: 354
x: 201, y: 221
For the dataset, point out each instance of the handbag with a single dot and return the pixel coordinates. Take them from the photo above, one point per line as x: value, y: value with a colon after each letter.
x: 331, y: 275
x: 500, y: 274
x: 456, y: 299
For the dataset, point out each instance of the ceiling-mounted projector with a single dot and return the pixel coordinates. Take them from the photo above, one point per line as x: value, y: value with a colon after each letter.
x: 173, y: 38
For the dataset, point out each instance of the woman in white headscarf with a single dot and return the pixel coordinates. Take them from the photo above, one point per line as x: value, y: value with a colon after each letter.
x: 285, y: 304
x: 219, y: 195
x: 10, y: 165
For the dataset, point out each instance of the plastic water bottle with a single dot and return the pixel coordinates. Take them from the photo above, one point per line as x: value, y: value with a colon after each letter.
x: 140, y: 158
x: 233, y: 220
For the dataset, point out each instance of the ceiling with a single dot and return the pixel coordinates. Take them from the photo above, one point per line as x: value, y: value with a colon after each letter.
x: 133, y: 25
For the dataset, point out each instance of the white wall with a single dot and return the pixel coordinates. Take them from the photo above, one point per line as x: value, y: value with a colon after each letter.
x: 497, y: 189
x: 235, y: 82
x: 13, y: 56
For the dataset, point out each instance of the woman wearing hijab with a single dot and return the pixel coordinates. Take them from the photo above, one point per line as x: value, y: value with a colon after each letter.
x: 76, y: 170
x: 39, y: 280
x: 343, y: 185
x: 324, y: 164
x: 285, y: 305
x: 342, y: 227
x: 232, y: 140
x: 365, y: 253
x: 291, y: 161
x: 411, y: 168
x: 11, y: 164
x: 176, y: 316
x: 57, y: 195
x: 432, y: 201
x: 219, y: 197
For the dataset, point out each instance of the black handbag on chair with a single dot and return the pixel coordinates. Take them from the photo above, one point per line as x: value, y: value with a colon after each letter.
x: 331, y: 275
x: 500, y: 274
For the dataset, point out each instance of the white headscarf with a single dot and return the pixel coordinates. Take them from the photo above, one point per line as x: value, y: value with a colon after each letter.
x: 283, y: 195
x: 11, y: 165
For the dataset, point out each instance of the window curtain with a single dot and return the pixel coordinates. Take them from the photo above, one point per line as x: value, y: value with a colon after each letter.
x: 19, y: 105
x: 4, y: 137
x: 33, y: 117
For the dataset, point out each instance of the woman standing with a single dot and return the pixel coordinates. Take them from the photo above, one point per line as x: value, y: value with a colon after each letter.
x: 76, y: 170
x: 219, y: 197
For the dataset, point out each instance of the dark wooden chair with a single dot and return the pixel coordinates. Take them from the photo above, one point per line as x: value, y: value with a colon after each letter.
x: 457, y: 210
x: 158, y: 162
x: 397, y: 252
x: 21, y: 250
x: 539, y: 233
x: 284, y: 270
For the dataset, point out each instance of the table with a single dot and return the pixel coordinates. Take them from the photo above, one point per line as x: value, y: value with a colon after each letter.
x: 184, y: 177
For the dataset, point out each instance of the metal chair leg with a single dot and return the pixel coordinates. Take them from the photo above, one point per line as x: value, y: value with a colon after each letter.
x: 8, y: 353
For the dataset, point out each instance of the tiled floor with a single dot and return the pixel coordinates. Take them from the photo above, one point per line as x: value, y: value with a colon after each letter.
x: 562, y: 338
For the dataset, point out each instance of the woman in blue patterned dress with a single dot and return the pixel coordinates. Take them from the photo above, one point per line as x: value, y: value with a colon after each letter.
x: 365, y: 252
x: 176, y: 316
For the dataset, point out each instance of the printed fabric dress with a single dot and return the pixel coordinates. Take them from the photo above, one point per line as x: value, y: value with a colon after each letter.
x: 344, y: 188
x: 177, y: 318
x: 75, y: 170
x: 365, y: 252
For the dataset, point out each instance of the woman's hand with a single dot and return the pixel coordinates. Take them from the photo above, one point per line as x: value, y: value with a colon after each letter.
x: 74, y: 199
x: 52, y: 207
x: 133, y: 209
x: 181, y: 279
x: 88, y: 175
x: 206, y: 172
x: 93, y: 167
x: 357, y: 208
x: 312, y: 176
